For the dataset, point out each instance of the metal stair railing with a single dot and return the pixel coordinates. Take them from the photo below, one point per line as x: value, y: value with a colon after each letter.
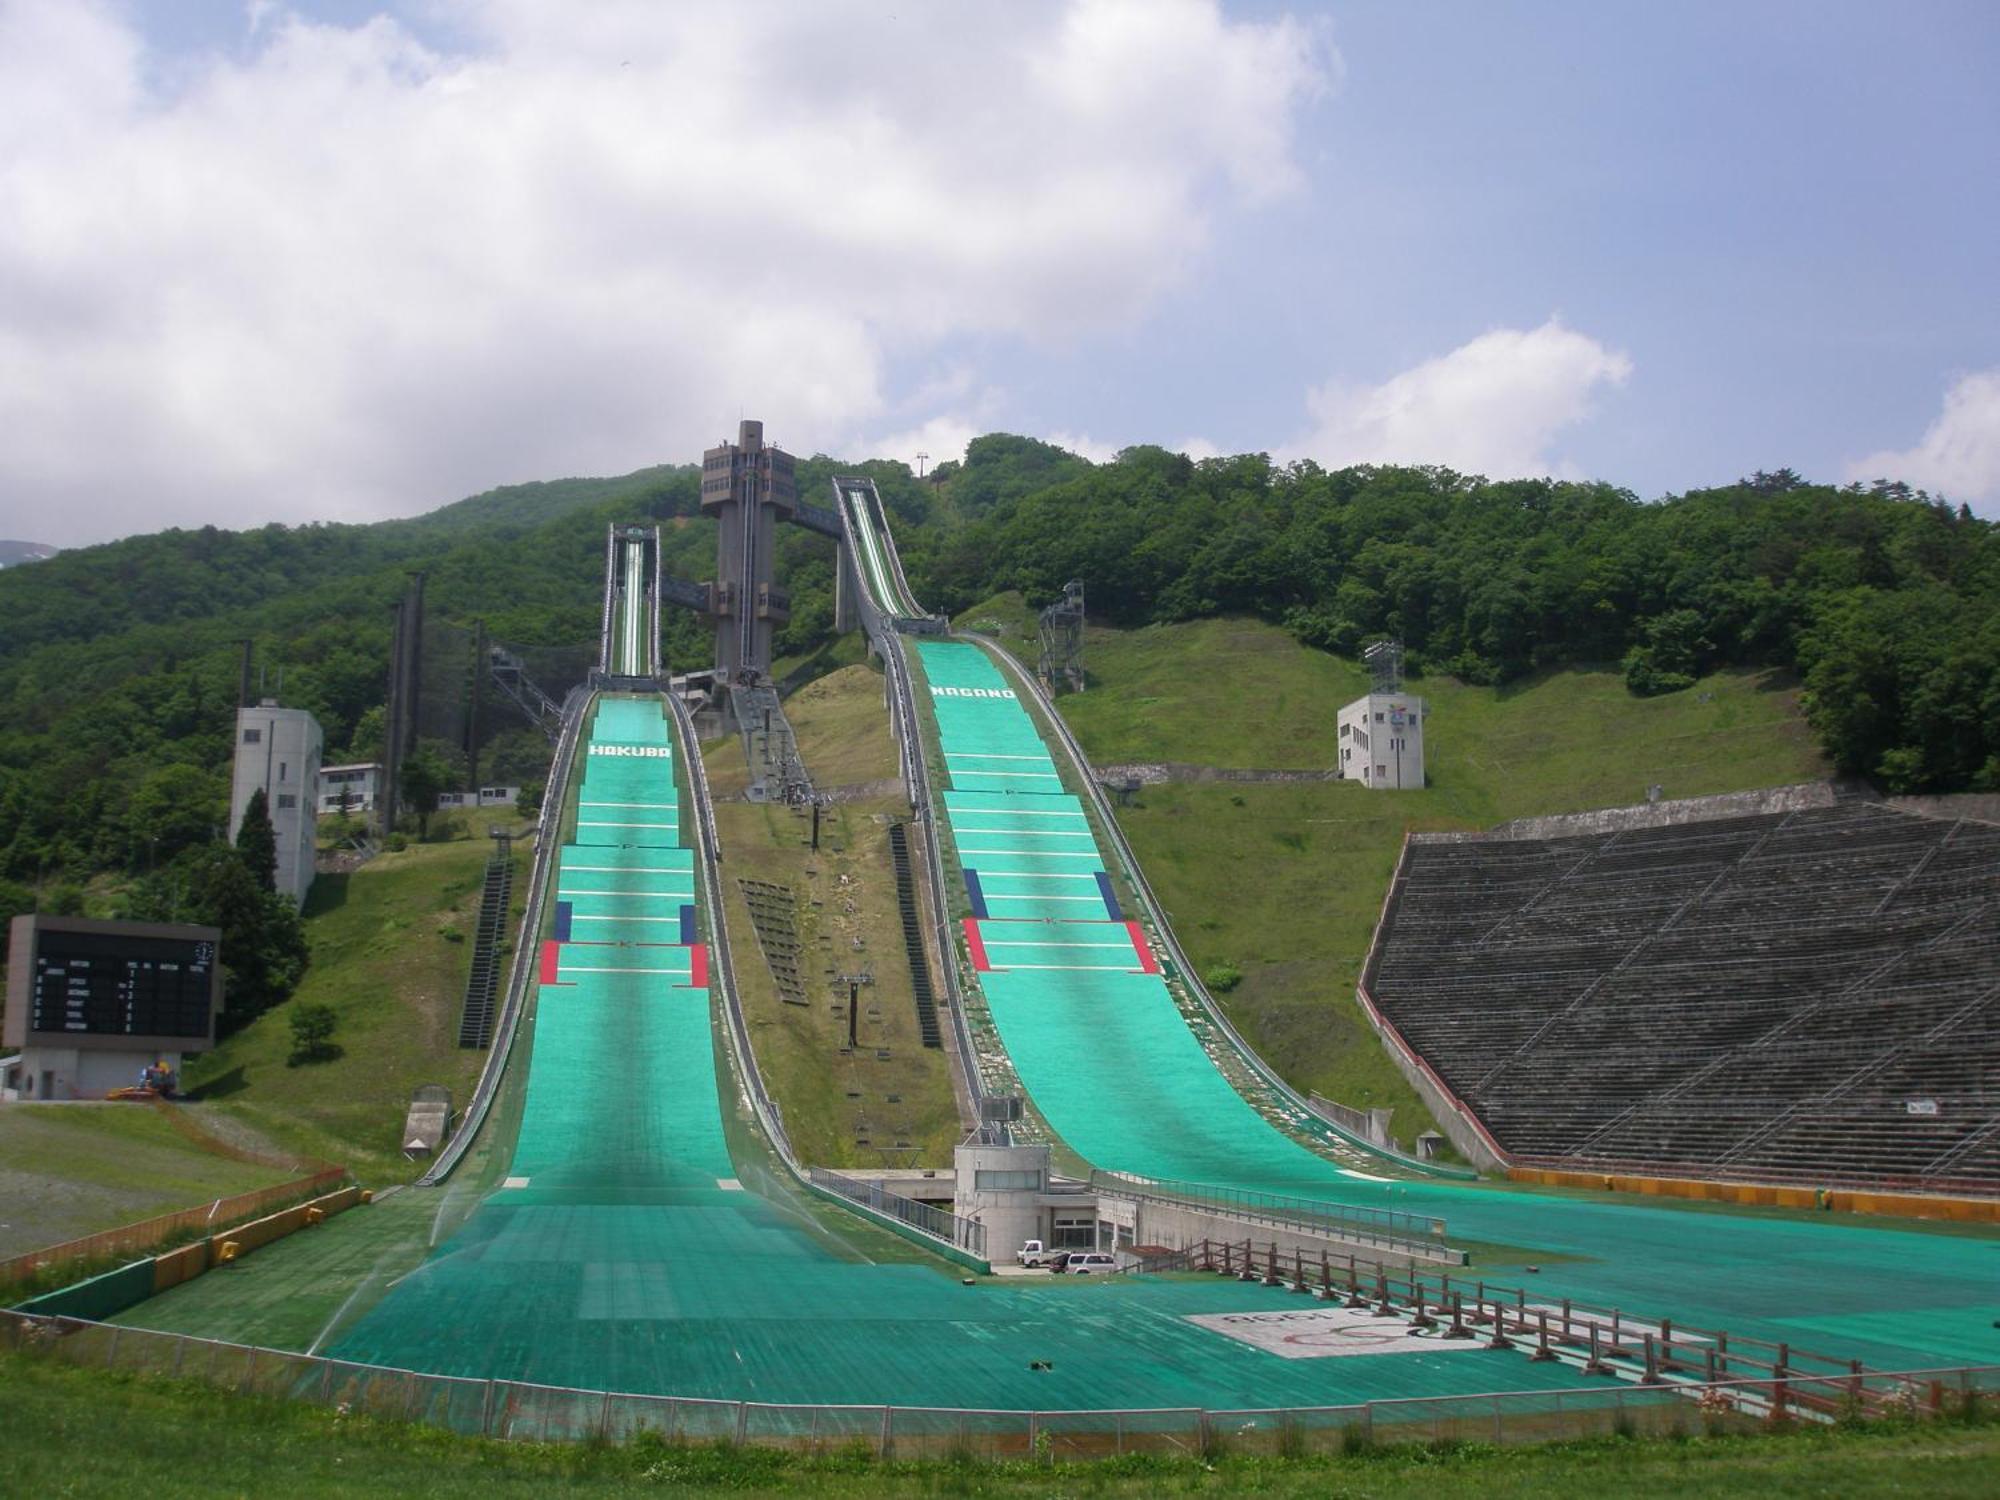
x: 475, y: 1027
x: 913, y: 937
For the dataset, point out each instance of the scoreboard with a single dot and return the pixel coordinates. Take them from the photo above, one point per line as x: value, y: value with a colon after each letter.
x: 81, y: 983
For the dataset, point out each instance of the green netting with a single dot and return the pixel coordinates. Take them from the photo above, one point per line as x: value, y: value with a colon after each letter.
x: 630, y: 720
x: 624, y: 1255
x: 1113, y: 1067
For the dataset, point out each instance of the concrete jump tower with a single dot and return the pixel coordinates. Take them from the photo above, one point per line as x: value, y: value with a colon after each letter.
x: 748, y: 488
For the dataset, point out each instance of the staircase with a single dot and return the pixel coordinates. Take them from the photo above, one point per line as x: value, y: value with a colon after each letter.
x: 482, y: 985
x: 913, y: 937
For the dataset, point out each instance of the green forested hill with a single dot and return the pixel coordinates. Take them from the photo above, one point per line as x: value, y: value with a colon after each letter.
x: 118, y: 663
x: 1885, y: 602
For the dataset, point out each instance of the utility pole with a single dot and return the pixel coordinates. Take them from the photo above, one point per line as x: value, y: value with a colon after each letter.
x: 404, y: 667
x: 472, y: 725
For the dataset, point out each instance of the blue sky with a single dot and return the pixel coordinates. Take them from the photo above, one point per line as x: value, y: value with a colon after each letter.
x: 332, y: 259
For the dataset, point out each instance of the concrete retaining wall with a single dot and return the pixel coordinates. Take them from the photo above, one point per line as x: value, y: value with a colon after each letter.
x: 1157, y: 773
x: 1983, y: 807
x: 1774, y: 799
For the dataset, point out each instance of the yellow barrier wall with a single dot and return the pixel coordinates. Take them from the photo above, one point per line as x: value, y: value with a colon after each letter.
x: 276, y: 1226
x: 141, y: 1237
x: 176, y: 1266
x: 1770, y: 1195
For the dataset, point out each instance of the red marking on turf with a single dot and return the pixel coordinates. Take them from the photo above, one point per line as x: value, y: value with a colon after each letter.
x: 976, y: 946
x: 698, y: 965
x: 551, y: 961
x: 1146, y: 960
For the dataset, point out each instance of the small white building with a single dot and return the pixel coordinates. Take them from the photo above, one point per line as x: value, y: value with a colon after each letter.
x: 486, y: 796
x: 1381, y: 742
x: 349, y: 789
x: 278, y: 751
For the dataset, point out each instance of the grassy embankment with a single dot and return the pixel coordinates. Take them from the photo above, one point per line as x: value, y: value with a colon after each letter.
x: 855, y: 1109
x: 68, y: 1170
x: 385, y: 958
x: 77, y: 1431
x: 1284, y: 881
x: 391, y: 947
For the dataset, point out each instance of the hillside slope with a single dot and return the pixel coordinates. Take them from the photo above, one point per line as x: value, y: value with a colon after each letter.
x: 1283, y: 882
x: 391, y: 947
x: 68, y: 1170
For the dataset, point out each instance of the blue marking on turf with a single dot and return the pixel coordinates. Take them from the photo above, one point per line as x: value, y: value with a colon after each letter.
x: 687, y: 925
x: 563, y: 909
x: 977, y: 896
x: 1110, y: 901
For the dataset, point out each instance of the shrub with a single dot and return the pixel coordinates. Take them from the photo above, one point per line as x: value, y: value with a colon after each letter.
x: 1222, y: 978
x: 312, y: 1034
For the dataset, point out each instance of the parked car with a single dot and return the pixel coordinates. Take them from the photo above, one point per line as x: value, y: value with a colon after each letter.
x: 1089, y: 1263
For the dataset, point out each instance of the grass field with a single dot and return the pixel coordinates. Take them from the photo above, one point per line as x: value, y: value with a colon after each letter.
x: 790, y: 672
x: 72, y: 1169
x: 83, y: 1432
x: 391, y: 946
x: 843, y: 728
x: 1284, y: 881
x: 833, y: 1101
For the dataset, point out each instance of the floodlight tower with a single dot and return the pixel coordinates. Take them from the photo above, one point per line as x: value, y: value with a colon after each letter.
x: 1384, y: 660
x: 1062, y: 640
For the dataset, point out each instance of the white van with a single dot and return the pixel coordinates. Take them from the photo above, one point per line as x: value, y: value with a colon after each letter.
x: 1090, y: 1262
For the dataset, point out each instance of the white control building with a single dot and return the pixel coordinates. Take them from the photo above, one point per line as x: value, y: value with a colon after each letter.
x: 278, y: 750
x: 1381, y: 742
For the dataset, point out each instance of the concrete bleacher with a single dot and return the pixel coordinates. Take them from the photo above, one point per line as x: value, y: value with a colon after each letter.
x: 1810, y: 992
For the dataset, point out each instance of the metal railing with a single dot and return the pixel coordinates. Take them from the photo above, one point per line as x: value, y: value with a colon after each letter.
x: 605, y: 662
x: 967, y: 1234
x: 548, y: 844
x: 722, y: 971
x: 1383, y: 1228
x: 1597, y: 1340
x: 518, y: 1410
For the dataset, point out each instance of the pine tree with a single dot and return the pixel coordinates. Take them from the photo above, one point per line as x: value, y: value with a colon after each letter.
x: 257, y: 841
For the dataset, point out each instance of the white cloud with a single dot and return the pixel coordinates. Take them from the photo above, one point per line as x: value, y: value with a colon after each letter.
x: 1083, y: 445
x: 1958, y: 456
x: 341, y: 273
x: 1492, y: 406
x: 939, y: 439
